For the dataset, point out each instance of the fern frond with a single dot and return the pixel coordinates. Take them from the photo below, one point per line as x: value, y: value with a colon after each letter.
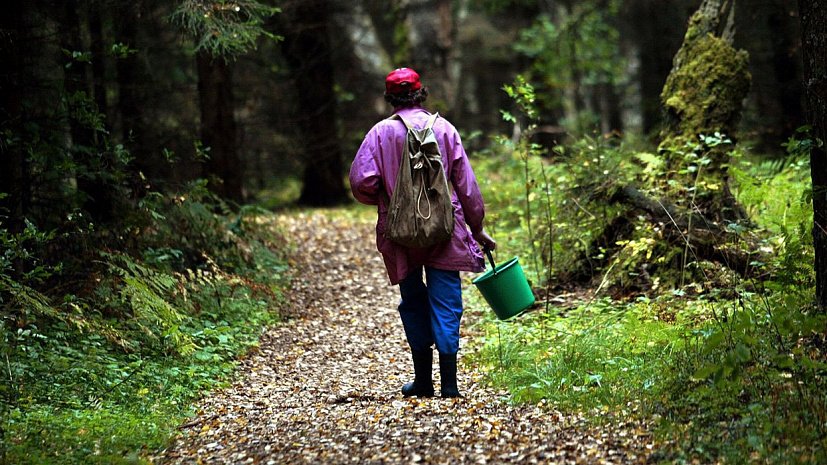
x: 22, y: 299
x: 150, y: 294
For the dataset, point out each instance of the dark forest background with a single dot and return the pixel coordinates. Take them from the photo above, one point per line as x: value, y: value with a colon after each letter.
x: 663, y: 158
x: 293, y: 102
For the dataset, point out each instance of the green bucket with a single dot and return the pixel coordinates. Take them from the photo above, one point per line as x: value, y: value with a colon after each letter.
x: 505, y: 288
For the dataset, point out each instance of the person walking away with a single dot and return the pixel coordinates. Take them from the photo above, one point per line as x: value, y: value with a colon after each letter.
x: 430, y: 309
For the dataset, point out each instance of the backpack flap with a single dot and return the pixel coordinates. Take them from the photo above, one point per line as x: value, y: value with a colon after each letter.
x: 420, y: 212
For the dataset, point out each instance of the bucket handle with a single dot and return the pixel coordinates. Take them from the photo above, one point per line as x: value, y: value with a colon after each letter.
x: 490, y: 259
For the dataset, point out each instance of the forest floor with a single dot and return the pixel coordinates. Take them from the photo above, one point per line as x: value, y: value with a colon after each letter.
x: 323, y: 386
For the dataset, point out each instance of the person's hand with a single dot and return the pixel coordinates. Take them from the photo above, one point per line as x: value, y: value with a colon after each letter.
x: 484, y: 240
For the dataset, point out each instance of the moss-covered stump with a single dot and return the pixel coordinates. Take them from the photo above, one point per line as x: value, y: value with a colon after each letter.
x: 705, y: 93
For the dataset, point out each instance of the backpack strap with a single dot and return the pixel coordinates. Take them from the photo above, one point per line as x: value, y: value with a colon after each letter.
x: 428, y: 125
x: 431, y: 121
x: 400, y: 118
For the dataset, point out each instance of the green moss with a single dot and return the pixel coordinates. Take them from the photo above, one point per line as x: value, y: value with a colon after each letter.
x: 704, y: 93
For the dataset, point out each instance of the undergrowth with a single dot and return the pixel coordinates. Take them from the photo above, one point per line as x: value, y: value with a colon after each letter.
x: 597, y: 354
x: 104, y: 370
x: 723, y: 368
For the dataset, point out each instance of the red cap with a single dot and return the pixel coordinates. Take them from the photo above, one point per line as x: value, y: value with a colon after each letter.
x: 402, y: 80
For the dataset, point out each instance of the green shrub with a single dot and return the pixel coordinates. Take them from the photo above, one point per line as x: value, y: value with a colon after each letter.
x: 104, y: 374
x: 733, y: 369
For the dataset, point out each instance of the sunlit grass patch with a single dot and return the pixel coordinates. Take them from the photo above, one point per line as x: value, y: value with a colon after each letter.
x: 107, y: 434
x: 597, y: 354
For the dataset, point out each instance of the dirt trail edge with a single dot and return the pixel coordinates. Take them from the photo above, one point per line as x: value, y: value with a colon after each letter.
x: 324, y: 385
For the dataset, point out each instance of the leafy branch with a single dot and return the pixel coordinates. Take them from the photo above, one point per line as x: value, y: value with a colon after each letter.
x: 225, y: 28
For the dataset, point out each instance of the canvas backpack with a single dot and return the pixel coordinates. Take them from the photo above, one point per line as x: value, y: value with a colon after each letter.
x: 420, y: 212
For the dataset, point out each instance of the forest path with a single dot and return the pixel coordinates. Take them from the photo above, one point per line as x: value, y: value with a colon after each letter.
x: 323, y: 387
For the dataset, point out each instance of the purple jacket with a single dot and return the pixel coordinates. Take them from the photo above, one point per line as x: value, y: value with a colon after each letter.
x: 375, y: 168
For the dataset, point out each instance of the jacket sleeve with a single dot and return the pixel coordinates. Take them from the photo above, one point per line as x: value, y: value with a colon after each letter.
x: 365, y: 178
x: 465, y: 185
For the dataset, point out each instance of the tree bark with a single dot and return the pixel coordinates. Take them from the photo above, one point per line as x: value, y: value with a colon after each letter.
x: 85, y: 151
x: 609, y: 106
x: 15, y: 46
x: 814, y: 43
x: 130, y: 77
x: 574, y: 91
x: 704, y: 94
x: 677, y: 228
x: 704, y: 91
x: 431, y: 37
x: 769, y: 31
x: 218, y: 128
x: 388, y: 20
x: 307, y: 50
x: 707, y: 239
x: 98, y: 63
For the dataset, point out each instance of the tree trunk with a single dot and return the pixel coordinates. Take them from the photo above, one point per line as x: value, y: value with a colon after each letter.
x: 98, y: 64
x: 15, y: 46
x: 678, y: 227
x: 130, y: 77
x: 388, y: 20
x: 488, y: 61
x: 576, y: 105
x: 78, y: 87
x: 431, y: 36
x: 704, y: 91
x: 218, y: 128
x: 307, y: 50
x: 814, y: 43
x: 609, y: 108
x: 706, y: 239
x: 704, y: 94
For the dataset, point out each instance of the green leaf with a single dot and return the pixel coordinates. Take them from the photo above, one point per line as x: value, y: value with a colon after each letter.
x: 742, y: 353
x: 713, y: 341
x: 705, y: 372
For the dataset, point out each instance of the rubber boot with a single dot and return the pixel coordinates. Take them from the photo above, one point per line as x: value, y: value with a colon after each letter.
x: 448, y: 376
x: 423, y: 383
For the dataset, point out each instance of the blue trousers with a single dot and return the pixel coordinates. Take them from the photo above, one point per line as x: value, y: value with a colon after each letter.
x: 431, y: 310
